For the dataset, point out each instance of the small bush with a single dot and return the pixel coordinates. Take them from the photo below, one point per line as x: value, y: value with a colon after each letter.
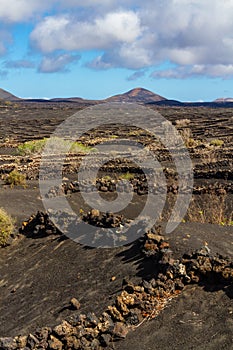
x: 127, y: 176
x: 31, y: 147
x: 6, y: 227
x: 107, y: 178
x: 14, y: 178
x: 182, y: 122
x: 216, y: 142
x: 210, y: 208
x: 37, y: 146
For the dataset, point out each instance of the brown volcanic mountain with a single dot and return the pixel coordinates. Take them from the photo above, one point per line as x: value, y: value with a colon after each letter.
x: 137, y: 95
x: 7, y: 96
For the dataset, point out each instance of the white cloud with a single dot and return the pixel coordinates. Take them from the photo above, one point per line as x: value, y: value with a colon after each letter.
x: 124, y: 55
x: 63, y: 32
x: 183, y: 72
x: 186, y: 33
x: 87, y: 3
x: 58, y: 63
x: 22, y: 10
x: 131, y: 33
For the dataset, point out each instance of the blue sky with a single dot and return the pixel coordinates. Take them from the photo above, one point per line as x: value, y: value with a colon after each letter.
x: 180, y: 49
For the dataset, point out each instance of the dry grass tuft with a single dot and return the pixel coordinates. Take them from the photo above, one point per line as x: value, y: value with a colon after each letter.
x: 6, y: 227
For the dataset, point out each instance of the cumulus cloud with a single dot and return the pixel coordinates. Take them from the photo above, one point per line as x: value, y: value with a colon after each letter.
x: 63, y: 32
x: 17, y: 64
x: 58, y: 63
x: 99, y: 4
x: 183, y: 72
x: 87, y: 3
x: 131, y: 33
x: 22, y: 10
x: 186, y: 33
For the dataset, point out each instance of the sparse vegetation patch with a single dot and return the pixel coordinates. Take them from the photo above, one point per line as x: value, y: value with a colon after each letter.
x: 216, y: 142
x: 15, y: 178
x: 37, y: 146
x: 6, y: 227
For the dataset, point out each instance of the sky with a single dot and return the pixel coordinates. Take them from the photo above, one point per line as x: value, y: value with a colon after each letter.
x: 180, y: 49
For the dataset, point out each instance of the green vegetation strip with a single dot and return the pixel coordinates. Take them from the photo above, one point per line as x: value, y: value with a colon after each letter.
x: 37, y: 146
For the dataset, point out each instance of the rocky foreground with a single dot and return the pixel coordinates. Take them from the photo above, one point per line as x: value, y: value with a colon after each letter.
x: 135, y: 304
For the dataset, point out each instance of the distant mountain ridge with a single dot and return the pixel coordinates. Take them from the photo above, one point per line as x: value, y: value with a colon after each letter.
x: 137, y: 95
x: 224, y: 99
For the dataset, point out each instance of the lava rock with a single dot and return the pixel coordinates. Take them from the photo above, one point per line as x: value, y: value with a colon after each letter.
x: 54, y: 343
x: 120, y: 330
x: 64, y: 329
x: 8, y: 343
x: 75, y: 304
x: 32, y: 341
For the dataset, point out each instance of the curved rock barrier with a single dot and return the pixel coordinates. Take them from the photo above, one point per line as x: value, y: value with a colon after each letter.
x: 138, y: 185
x: 134, y: 305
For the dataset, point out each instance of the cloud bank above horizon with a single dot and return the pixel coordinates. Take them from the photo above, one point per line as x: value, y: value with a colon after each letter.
x: 193, y: 37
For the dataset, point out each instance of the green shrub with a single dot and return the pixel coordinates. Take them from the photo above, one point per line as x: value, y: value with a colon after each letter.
x: 6, y: 227
x: 78, y: 147
x: 127, y: 176
x: 216, y: 142
x: 14, y: 178
x: 37, y: 146
x: 31, y: 147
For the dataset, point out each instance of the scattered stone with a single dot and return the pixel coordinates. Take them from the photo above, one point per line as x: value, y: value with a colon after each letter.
x: 95, y: 344
x: 72, y: 342
x: 92, y: 319
x: 43, y: 333
x: 120, y: 330
x: 21, y: 341
x: 32, y: 341
x: 8, y: 343
x: 155, y: 237
x: 54, y: 343
x: 95, y: 213
x: 115, y: 313
x: 63, y: 329
x: 134, y: 317
x: 106, y: 339
x: 75, y: 304
x: 106, y: 323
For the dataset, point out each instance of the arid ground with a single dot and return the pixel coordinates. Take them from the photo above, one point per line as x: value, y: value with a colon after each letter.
x: 40, y: 274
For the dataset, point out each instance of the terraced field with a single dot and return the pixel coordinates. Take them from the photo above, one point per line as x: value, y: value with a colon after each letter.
x: 41, y: 271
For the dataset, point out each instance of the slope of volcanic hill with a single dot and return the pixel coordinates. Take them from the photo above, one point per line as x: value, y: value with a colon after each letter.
x: 7, y: 96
